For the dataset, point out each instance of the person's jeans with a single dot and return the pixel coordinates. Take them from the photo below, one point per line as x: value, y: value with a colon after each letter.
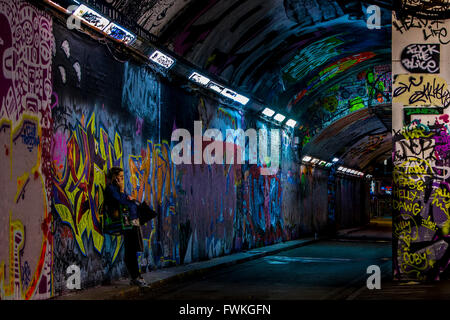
x: 131, y: 243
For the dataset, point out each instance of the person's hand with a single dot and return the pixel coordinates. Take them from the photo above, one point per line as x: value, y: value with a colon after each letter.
x: 121, y: 185
x: 131, y: 198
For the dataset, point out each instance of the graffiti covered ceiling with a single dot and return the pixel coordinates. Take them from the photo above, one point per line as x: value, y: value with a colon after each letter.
x: 360, y: 140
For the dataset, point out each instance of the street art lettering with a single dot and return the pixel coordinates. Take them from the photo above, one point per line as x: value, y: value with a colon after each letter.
x: 153, y: 180
x: 421, y: 58
x: 29, y: 135
x: 329, y: 72
x: 421, y: 195
x: 431, y: 29
x: 320, y: 52
x: 78, y: 193
x: 421, y: 90
x: 141, y: 92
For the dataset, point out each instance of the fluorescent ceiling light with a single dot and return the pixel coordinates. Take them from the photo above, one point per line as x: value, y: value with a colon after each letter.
x: 196, y: 77
x: 279, y: 117
x: 322, y: 163
x: 161, y: 59
x: 341, y: 169
x: 241, y: 99
x: 306, y: 158
x: 117, y: 32
x: 216, y: 87
x: 314, y: 160
x: 91, y: 17
x: 228, y: 93
x: 329, y: 164
x: 291, y: 123
x: 268, y: 112
x: 234, y: 96
x: 335, y: 160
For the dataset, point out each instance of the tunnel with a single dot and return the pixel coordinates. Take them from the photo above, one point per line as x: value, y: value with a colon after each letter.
x: 242, y: 124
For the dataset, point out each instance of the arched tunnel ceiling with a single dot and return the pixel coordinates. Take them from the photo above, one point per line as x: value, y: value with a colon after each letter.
x: 314, y: 61
x: 360, y: 140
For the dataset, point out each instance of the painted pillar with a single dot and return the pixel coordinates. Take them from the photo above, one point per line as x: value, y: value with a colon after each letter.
x: 421, y: 129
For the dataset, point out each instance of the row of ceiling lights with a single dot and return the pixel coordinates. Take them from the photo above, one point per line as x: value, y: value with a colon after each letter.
x: 278, y: 117
x: 102, y: 24
x: 326, y: 164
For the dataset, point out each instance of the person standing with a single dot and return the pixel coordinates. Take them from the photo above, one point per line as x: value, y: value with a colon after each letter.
x: 116, y: 201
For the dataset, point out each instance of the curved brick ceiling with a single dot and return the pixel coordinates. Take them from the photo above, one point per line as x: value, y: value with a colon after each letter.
x: 361, y: 140
x: 314, y: 61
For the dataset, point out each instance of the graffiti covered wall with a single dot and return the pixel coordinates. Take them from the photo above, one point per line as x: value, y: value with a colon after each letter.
x: 26, y: 43
x: 421, y: 98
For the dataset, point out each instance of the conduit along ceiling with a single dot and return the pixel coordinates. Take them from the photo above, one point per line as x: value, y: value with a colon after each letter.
x: 322, y: 63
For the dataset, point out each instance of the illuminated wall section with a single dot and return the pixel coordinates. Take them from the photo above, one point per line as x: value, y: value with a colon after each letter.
x: 421, y: 135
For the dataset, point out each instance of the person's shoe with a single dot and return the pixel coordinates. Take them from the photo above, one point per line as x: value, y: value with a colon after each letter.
x: 140, y: 282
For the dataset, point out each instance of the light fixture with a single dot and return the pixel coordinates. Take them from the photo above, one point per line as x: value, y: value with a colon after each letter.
x: 291, y: 123
x: 306, y: 158
x: 91, y: 17
x: 228, y: 93
x: 241, y: 99
x: 162, y: 59
x: 197, y: 77
x: 279, y: 117
x: 314, y: 160
x: 117, y: 32
x: 329, y: 164
x: 341, y: 169
x: 335, y: 160
x: 322, y: 163
x: 268, y: 112
x: 216, y: 87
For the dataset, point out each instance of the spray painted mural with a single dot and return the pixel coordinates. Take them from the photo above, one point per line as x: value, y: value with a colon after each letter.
x: 25, y: 133
x: 421, y: 97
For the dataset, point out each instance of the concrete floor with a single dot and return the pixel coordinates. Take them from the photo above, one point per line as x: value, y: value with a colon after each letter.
x: 320, y: 271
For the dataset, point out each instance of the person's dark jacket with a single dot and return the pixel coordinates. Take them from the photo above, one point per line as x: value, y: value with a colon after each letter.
x: 114, y: 198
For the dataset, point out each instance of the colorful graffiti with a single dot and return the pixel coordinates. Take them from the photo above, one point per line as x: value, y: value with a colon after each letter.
x: 329, y: 72
x: 78, y: 193
x: 26, y: 194
x: 421, y: 167
x: 25, y: 129
x: 152, y: 178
